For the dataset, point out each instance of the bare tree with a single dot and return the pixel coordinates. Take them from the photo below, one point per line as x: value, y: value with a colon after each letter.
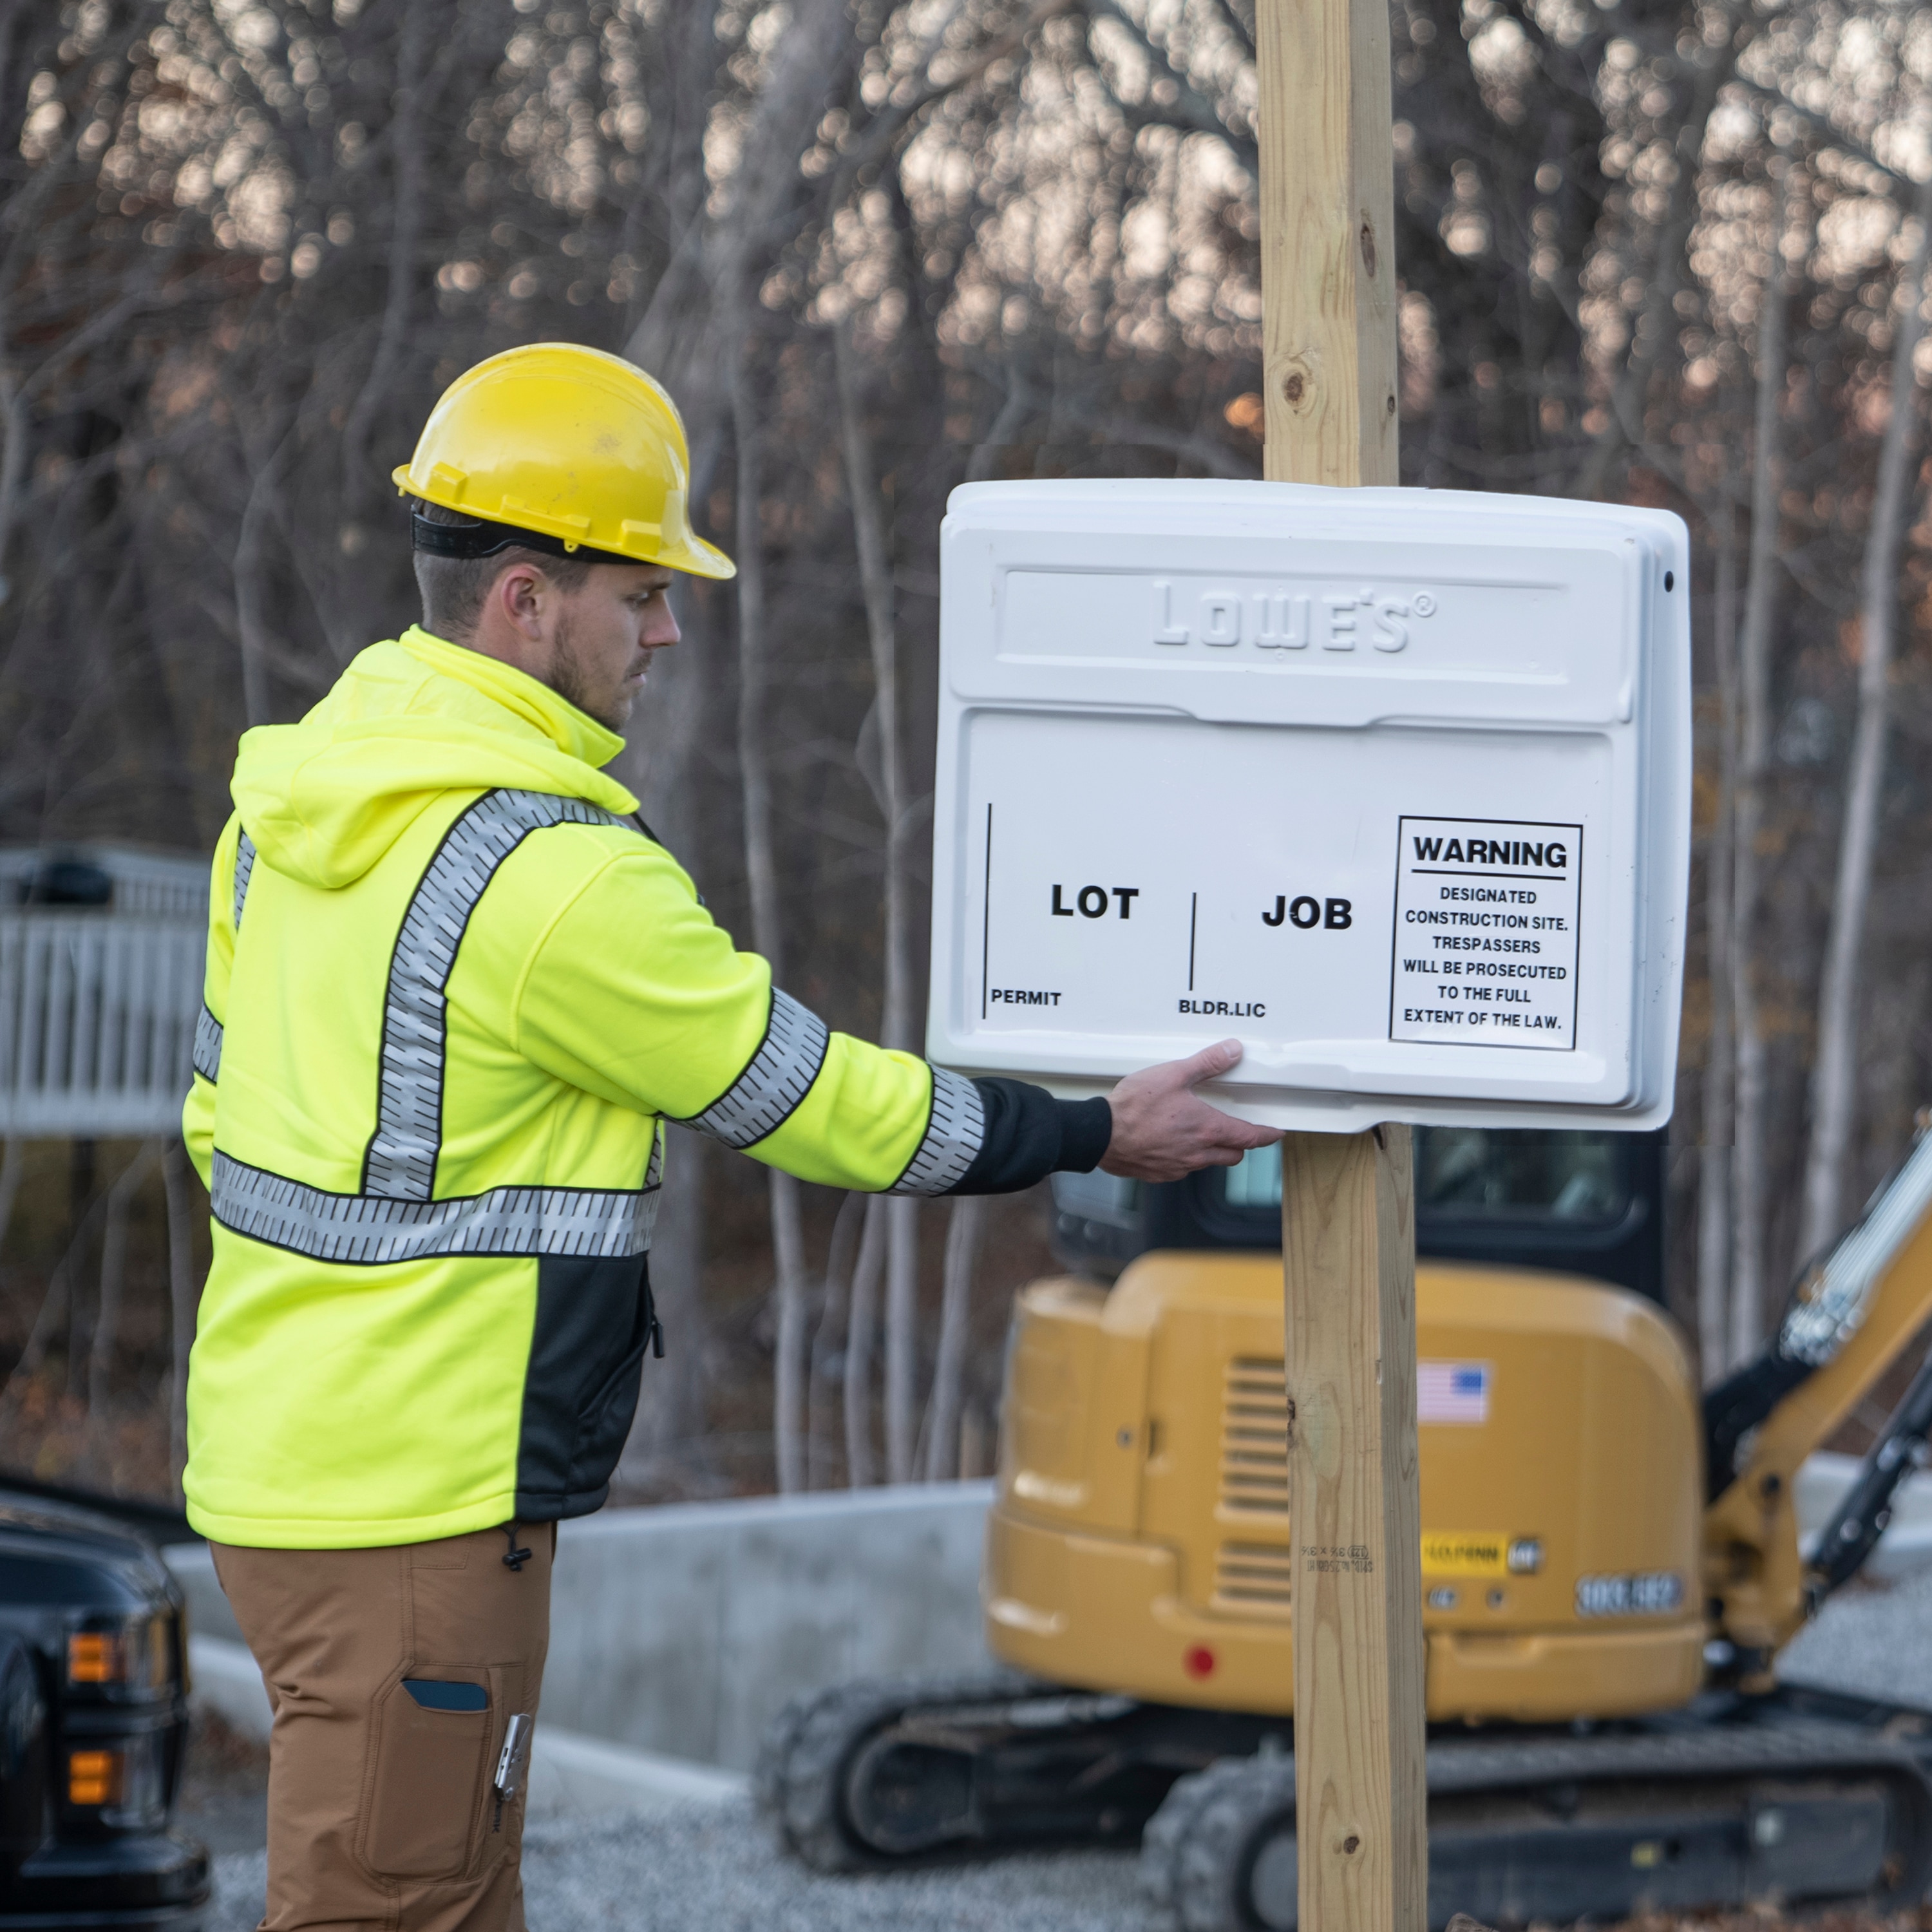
x: 896, y: 1028
x: 1834, y: 1077
x: 1749, y: 1189
x: 942, y: 1425
x: 1715, y: 1206
x: 236, y: 264
x: 831, y: 1341
x: 861, y: 1469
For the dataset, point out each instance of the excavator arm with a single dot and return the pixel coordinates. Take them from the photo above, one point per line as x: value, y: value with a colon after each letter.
x: 1854, y: 1315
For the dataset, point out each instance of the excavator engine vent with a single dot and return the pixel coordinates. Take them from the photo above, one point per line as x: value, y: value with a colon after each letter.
x: 1252, y: 1578
x: 1254, y: 1436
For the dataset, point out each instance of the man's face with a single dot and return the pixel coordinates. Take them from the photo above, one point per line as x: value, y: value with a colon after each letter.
x: 604, y: 635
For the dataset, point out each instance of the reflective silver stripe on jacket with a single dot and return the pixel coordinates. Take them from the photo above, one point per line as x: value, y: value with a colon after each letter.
x: 394, y: 1218
x: 207, y: 1028
x: 244, y: 865
x: 953, y: 1138
x: 207, y: 1045
x: 781, y: 1073
x: 603, y: 1224
x: 401, y: 1160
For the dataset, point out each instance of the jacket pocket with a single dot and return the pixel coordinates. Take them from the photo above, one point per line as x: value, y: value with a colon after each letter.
x: 433, y: 1745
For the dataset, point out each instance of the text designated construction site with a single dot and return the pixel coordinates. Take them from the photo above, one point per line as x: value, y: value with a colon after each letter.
x: 1486, y: 932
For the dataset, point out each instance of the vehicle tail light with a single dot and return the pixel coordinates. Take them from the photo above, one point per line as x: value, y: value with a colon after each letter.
x: 137, y: 1655
x: 96, y: 1778
x: 124, y: 1784
x: 93, y: 1656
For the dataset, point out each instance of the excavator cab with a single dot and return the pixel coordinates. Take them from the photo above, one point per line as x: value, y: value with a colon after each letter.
x: 1609, y: 1564
x: 1589, y: 1204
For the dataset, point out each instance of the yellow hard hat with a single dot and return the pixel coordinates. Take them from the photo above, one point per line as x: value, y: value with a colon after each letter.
x: 570, y: 448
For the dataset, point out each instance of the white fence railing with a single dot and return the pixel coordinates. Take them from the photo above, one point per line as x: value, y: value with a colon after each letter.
x: 159, y: 884
x: 96, y: 1021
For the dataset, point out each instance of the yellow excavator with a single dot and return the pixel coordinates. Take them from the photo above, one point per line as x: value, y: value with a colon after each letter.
x: 1610, y: 1564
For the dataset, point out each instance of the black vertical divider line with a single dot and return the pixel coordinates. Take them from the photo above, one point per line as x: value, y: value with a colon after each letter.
x: 986, y: 914
x: 1193, y: 908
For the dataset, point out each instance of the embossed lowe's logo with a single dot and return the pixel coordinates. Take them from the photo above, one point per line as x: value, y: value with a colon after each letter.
x: 1272, y: 620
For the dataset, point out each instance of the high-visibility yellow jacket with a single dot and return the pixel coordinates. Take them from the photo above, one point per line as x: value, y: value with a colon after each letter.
x: 453, y: 986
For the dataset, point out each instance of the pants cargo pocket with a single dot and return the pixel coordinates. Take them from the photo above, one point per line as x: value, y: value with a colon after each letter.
x: 432, y: 1750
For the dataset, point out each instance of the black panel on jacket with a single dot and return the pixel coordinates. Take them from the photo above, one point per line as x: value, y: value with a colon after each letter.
x: 1030, y: 1134
x: 594, y: 1320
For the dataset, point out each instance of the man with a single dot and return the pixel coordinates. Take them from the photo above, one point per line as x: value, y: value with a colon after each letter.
x: 454, y: 985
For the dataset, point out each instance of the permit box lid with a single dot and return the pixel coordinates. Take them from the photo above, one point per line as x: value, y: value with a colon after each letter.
x: 1435, y: 605
x: 1392, y: 784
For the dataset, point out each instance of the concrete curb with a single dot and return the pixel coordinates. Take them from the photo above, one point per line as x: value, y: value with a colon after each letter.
x: 571, y: 1776
x: 679, y: 1631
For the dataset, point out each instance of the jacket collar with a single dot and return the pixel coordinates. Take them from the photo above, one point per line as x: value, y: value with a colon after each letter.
x: 570, y: 730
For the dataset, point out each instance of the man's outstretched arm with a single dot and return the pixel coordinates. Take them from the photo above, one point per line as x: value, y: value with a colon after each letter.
x: 683, y: 1025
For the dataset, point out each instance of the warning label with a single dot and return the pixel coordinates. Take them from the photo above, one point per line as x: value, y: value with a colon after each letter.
x: 1486, y: 932
x: 1447, y: 1554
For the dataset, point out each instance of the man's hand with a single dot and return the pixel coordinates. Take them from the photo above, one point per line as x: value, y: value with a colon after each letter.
x: 1162, y: 1131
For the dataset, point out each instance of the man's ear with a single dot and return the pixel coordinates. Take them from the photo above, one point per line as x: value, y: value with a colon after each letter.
x: 519, y: 595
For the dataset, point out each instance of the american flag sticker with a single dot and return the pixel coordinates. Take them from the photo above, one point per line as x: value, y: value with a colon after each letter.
x: 1452, y: 1392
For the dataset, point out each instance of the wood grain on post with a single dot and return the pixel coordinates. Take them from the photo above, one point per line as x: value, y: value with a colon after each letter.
x: 1327, y: 241
x: 1328, y: 216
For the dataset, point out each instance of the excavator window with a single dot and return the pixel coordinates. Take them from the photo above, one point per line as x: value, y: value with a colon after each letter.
x: 1587, y: 1202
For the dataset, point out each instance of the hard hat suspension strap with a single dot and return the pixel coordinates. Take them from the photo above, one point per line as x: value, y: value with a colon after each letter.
x: 475, y: 539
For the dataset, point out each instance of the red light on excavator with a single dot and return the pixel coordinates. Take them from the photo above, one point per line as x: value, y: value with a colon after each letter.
x: 1199, y: 1661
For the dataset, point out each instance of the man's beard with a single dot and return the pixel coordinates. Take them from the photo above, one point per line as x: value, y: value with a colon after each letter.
x: 570, y: 681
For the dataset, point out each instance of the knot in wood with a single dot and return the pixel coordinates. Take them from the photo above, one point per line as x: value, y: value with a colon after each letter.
x: 1351, y: 1844
x: 1294, y: 386
x: 1368, y: 240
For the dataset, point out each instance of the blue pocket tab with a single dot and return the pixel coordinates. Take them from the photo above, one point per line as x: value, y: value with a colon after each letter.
x: 432, y: 1694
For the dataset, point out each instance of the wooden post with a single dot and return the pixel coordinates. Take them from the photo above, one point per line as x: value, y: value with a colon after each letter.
x: 1348, y: 1255
x: 1327, y: 215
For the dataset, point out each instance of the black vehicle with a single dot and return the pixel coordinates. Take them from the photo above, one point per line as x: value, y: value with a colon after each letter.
x: 93, y: 1725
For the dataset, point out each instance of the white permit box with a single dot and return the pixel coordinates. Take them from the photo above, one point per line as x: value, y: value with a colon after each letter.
x: 1392, y: 785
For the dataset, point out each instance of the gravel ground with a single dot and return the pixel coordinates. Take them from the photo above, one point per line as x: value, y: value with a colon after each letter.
x: 1874, y: 1638
x: 713, y: 1867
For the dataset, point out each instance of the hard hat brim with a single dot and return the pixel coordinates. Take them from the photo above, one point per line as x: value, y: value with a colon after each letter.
x: 688, y: 552
x: 697, y: 559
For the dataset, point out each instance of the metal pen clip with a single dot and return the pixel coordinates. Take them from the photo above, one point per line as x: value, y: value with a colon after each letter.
x: 514, y: 1758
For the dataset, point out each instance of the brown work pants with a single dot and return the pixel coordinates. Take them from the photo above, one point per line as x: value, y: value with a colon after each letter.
x: 382, y: 1809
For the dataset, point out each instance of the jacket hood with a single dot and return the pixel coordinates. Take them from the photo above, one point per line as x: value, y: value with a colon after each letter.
x: 410, y: 719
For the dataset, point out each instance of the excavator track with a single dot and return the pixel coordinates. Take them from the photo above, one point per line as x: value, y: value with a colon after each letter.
x: 889, y: 1771
x: 1553, y: 1828
x: 1790, y: 1797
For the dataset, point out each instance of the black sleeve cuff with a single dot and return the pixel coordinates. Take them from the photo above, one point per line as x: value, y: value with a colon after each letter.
x: 1029, y: 1134
x: 1086, y: 1127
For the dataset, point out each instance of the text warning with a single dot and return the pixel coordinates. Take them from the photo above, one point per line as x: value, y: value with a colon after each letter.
x: 1486, y: 932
